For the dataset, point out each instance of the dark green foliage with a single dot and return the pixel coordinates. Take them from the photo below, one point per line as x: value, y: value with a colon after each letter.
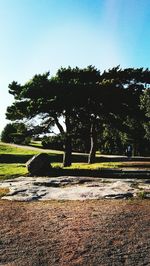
x: 53, y: 142
x: 15, y: 133
x: 6, y: 133
x: 80, y: 142
x: 64, y: 95
x: 112, y: 141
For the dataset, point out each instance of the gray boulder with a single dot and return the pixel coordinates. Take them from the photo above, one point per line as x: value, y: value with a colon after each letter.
x: 39, y: 165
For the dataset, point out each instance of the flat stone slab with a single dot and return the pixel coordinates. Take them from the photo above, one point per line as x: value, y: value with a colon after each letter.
x: 74, y: 188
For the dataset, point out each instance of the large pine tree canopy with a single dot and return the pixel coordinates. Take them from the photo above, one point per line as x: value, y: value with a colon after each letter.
x: 115, y: 97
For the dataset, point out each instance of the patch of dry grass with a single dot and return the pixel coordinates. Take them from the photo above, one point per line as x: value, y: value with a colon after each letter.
x: 3, y: 191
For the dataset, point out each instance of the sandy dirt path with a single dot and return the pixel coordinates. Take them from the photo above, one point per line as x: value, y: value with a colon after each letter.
x: 66, y: 233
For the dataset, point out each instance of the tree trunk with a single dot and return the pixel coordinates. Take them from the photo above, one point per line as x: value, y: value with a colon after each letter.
x: 67, y: 160
x: 67, y: 153
x: 58, y: 125
x: 92, y: 154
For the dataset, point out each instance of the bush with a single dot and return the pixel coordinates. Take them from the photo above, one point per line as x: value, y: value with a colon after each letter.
x: 15, y: 133
x: 6, y: 135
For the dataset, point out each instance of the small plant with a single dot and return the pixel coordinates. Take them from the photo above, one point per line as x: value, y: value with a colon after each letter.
x: 142, y: 194
x: 3, y: 192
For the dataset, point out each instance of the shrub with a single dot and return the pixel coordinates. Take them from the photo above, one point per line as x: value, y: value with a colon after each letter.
x: 15, y: 133
x: 6, y: 135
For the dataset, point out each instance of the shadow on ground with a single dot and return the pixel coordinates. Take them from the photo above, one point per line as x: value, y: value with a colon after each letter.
x: 23, y: 158
x: 103, y: 173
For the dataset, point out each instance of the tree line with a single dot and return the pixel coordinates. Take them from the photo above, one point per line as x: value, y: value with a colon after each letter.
x: 89, y: 108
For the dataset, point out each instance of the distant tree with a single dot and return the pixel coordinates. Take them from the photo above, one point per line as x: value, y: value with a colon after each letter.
x: 15, y: 133
x: 6, y: 133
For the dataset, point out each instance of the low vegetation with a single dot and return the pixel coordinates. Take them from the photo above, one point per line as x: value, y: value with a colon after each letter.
x: 143, y: 194
x: 3, y: 192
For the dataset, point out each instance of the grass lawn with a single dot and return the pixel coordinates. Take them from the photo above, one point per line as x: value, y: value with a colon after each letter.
x: 8, y: 149
x: 94, y: 166
x: 36, y: 144
x: 12, y: 170
x: 5, y: 148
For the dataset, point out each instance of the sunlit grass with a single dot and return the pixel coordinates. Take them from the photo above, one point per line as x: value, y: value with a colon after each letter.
x: 12, y: 170
x: 36, y: 144
x: 8, y: 149
x: 94, y: 166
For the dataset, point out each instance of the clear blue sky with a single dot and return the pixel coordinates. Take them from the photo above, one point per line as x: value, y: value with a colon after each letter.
x: 41, y: 35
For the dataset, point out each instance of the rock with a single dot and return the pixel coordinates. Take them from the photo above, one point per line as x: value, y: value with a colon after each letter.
x: 39, y: 165
x: 70, y: 188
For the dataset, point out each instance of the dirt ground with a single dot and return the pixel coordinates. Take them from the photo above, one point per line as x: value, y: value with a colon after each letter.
x: 66, y: 233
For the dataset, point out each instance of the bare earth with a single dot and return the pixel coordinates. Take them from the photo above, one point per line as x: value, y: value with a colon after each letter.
x: 91, y: 232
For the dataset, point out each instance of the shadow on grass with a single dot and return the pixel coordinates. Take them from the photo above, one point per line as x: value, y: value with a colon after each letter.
x: 23, y: 158
x: 58, y: 158
x: 76, y: 172
x: 101, y: 173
